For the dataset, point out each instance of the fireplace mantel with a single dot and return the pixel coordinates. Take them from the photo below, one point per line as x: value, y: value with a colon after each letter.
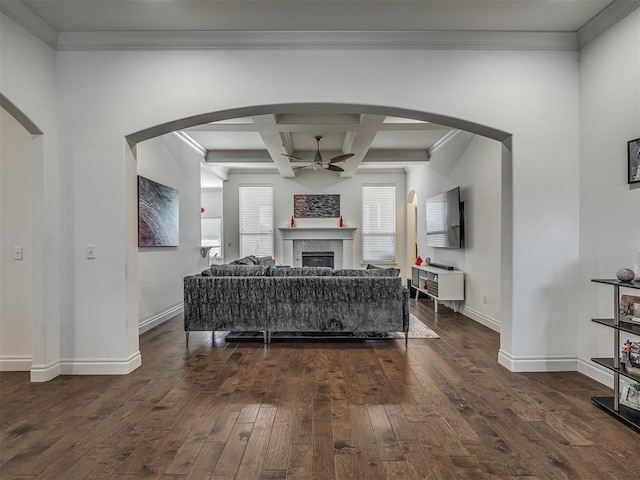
x: 317, y: 233
x: 343, y: 234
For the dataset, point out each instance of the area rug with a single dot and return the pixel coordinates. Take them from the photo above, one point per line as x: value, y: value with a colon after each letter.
x: 417, y: 329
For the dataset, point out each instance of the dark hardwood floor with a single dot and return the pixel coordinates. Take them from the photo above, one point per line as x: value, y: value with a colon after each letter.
x: 441, y: 409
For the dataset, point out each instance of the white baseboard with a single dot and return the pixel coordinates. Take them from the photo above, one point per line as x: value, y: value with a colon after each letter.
x: 557, y: 363
x: 15, y: 363
x: 149, y: 323
x: 44, y: 373
x: 482, y: 319
x: 100, y: 366
x: 596, y: 372
x: 86, y: 366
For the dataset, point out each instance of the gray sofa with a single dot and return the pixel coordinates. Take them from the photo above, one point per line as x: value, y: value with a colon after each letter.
x: 304, y: 299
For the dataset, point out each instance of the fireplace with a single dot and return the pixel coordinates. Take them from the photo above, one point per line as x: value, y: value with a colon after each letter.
x: 338, y: 240
x: 317, y: 259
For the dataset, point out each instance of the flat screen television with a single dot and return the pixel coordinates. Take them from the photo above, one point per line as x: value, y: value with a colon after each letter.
x: 445, y: 220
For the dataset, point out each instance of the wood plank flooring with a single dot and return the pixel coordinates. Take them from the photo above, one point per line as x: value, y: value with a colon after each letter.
x: 439, y: 409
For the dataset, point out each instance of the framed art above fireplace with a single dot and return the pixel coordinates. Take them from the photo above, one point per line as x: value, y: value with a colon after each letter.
x: 316, y: 206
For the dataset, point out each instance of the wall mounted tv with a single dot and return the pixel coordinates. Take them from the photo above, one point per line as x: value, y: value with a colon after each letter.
x: 445, y: 220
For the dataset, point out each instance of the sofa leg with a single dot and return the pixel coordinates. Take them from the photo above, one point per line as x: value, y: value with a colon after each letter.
x: 187, y: 335
x: 265, y: 336
x: 213, y: 338
x: 406, y: 338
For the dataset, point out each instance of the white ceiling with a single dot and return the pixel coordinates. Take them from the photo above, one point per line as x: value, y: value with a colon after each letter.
x: 259, y: 142
x: 270, y: 15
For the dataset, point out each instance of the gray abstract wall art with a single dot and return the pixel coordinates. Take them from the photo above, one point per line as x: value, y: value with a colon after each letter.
x: 158, y: 214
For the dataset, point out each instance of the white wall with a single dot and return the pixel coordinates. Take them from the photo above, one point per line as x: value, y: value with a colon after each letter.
x: 16, y: 229
x: 168, y: 161
x: 472, y: 163
x: 28, y: 81
x: 609, y: 207
x: 104, y: 96
x: 349, y: 189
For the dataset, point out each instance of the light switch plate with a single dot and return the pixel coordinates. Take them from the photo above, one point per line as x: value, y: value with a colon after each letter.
x: 91, y: 251
x: 17, y: 253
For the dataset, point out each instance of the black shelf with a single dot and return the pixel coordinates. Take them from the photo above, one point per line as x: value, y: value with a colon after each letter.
x: 618, y: 283
x: 628, y: 415
x: 608, y: 363
x: 628, y: 327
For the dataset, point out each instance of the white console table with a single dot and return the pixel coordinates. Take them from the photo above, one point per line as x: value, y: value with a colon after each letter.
x: 438, y: 283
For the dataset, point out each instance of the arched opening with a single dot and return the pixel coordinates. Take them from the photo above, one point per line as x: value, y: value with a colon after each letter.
x: 327, y: 108
x: 21, y: 295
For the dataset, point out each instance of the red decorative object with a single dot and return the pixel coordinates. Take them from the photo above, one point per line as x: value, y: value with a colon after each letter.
x: 341, y: 222
x: 418, y: 261
x: 201, y: 209
x: 293, y: 221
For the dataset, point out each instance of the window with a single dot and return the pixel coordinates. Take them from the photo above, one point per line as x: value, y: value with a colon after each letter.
x: 256, y: 220
x: 378, y: 223
x: 211, y: 235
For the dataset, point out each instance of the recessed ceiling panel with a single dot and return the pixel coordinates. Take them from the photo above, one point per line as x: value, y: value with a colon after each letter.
x: 404, y: 140
x: 330, y: 141
x: 228, y: 140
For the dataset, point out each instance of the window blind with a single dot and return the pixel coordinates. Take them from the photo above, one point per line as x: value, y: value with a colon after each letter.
x: 256, y: 220
x: 378, y: 223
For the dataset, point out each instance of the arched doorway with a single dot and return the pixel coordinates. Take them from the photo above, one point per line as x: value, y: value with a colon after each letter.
x: 21, y: 295
x: 328, y: 108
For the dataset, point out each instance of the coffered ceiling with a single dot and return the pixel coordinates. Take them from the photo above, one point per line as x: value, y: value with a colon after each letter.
x: 267, y: 142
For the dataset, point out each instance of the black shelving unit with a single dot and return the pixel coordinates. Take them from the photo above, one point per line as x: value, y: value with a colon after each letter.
x: 612, y: 405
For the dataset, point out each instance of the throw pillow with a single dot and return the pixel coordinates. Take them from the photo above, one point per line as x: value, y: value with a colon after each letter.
x: 265, y: 261
x: 248, y: 260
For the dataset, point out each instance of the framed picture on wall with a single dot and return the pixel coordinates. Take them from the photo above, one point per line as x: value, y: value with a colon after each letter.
x: 158, y: 214
x: 633, y: 151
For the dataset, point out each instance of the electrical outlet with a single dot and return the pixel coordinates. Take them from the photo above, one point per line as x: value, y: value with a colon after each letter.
x: 17, y: 253
x: 91, y: 251
x: 484, y: 298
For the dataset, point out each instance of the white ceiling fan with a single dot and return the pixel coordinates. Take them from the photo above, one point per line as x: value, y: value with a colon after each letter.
x: 320, y: 164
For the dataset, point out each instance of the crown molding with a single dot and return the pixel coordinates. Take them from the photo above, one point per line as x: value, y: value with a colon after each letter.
x: 294, y: 40
x: 30, y: 21
x: 607, y: 18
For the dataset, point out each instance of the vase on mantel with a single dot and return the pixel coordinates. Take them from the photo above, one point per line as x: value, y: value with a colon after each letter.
x: 293, y: 221
x: 341, y: 222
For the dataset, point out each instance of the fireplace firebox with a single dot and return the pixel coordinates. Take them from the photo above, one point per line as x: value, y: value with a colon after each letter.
x: 317, y: 259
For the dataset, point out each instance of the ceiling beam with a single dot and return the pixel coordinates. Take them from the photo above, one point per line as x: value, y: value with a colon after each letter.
x: 274, y: 144
x: 390, y: 155
x: 255, y: 157
x: 361, y: 143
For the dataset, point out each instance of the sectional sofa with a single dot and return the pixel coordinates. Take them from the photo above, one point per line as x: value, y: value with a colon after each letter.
x: 268, y: 299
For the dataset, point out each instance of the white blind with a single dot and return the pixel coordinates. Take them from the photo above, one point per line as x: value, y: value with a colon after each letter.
x: 256, y: 220
x: 379, y: 223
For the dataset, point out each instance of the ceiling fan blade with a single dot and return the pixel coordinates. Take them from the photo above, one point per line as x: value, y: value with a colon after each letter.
x: 292, y: 157
x: 335, y: 168
x: 298, y: 168
x: 341, y: 158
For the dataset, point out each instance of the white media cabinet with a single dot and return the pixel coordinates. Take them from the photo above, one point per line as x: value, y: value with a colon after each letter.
x: 438, y: 283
